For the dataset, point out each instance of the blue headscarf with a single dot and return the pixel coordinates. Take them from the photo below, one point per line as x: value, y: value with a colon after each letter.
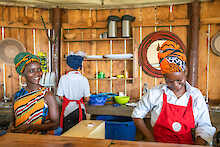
x: 74, y: 61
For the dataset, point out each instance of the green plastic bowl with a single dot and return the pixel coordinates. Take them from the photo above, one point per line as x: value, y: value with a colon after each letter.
x: 122, y: 99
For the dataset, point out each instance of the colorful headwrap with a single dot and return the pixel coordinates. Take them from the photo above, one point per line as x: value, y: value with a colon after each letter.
x: 22, y: 59
x: 74, y: 61
x: 171, y: 57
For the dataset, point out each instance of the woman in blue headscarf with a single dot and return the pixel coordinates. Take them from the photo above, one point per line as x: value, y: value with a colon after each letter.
x: 73, y: 89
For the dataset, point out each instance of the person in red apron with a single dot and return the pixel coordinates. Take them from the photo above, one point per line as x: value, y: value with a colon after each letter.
x: 73, y: 89
x: 179, y: 113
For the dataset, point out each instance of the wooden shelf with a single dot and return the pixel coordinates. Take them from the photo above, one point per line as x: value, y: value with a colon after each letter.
x: 108, y: 79
x: 107, y: 59
x: 162, y: 23
x: 211, y: 20
x: 23, y: 26
x: 96, y: 39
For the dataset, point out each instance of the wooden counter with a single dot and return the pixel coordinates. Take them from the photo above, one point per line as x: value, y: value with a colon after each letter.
x: 26, y: 140
x: 108, y: 109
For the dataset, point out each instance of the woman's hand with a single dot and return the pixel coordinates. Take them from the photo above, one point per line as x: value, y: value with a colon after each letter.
x: 149, y: 138
x: 200, y: 141
x: 21, y: 129
x: 86, y: 99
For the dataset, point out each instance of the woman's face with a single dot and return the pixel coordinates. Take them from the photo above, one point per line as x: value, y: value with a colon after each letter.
x: 176, y: 81
x: 33, y: 72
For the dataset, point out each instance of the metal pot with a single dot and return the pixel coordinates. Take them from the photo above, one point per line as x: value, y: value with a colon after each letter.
x: 112, y: 26
x: 126, y: 23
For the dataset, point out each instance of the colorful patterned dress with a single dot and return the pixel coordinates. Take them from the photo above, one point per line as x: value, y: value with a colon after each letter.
x: 30, y: 108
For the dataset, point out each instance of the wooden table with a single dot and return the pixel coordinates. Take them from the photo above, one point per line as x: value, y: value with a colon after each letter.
x: 27, y: 140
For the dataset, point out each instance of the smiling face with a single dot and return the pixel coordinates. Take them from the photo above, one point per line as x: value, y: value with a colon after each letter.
x: 33, y: 73
x: 176, y: 81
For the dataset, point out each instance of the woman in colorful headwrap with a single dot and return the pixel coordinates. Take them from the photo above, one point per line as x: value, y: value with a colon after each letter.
x: 35, y: 107
x: 176, y: 107
x: 73, y: 89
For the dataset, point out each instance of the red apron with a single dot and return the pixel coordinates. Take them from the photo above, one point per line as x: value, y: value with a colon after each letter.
x: 64, y: 105
x: 174, y: 123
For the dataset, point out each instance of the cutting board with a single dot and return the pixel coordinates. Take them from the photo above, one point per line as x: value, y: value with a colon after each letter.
x: 87, y: 129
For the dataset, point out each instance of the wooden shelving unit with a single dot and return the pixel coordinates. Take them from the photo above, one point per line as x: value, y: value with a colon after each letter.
x: 96, y: 39
x: 106, y: 59
x: 110, y: 60
x: 108, y: 79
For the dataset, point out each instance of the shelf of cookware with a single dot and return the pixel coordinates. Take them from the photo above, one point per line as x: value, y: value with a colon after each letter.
x: 108, y: 79
x: 131, y: 59
x: 96, y: 39
x: 107, y: 59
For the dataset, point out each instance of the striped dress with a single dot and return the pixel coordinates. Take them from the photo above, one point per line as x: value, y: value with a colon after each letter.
x: 30, y: 108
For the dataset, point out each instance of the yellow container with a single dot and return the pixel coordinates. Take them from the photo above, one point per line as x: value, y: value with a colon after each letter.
x: 122, y: 99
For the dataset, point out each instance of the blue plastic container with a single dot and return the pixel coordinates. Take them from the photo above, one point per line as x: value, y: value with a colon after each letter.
x: 97, y: 99
x: 118, y: 128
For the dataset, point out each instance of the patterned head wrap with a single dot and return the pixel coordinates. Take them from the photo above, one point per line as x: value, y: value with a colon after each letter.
x: 22, y: 59
x: 74, y: 61
x: 171, y: 57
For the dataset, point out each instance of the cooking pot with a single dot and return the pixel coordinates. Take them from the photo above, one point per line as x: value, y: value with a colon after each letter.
x: 112, y: 26
x: 126, y: 23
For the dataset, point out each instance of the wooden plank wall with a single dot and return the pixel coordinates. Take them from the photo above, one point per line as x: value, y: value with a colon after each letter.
x: 145, y: 17
x: 103, y: 47
x: 209, y: 10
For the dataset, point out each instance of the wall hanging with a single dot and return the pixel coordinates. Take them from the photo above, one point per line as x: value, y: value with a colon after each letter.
x: 215, y: 44
x: 9, y: 48
x: 148, y: 51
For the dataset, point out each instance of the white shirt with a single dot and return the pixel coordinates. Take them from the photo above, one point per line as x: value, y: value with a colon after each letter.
x: 73, y: 86
x: 153, y: 101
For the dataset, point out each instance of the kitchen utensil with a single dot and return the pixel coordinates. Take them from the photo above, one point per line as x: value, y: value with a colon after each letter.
x: 101, y: 75
x: 48, y: 79
x: 112, y: 26
x: 126, y: 25
x: 122, y: 99
x: 118, y: 56
x: 94, y: 56
x: 120, y: 76
x: 131, y: 104
x: 121, y: 94
x: 110, y: 97
x: 69, y: 35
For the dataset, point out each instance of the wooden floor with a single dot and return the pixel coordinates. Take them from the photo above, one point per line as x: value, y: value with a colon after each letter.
x: 26, y: 140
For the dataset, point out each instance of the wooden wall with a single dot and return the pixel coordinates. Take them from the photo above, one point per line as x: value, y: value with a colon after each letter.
x: 87, y: 24
x: 147, y: 24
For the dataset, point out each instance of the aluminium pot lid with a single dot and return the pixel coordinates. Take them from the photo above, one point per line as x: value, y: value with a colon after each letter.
x: 9, y: 48
x: 215, y: 44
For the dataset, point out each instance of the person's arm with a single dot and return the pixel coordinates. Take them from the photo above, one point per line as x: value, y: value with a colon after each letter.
x: 86, y: 91
x: 140, y: 124
x: 204, y: 129
x: 145, y: 105
x: 200, y: 141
